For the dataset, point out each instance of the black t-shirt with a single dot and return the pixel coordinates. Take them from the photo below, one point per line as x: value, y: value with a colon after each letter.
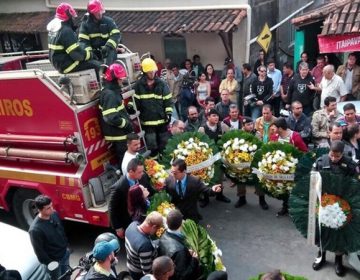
x: 299, y: 90
x: 262, y: 89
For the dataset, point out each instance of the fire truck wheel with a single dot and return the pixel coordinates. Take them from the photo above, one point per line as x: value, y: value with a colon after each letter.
x: 24, y: 207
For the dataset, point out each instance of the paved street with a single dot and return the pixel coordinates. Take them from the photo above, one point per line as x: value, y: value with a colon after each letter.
x: 252, y: 240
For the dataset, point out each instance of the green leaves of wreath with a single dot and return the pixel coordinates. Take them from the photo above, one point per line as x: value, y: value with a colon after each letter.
x: 271, y: 147
x: 197, y: 240
x: 168, y: 155
x: 344, y: 239
x: 240, y: 134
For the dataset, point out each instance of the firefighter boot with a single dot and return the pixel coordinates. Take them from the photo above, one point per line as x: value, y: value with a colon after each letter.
x: 241, y: 202
x: 319, y: 261
x: 263, y: 203
x: 339, y: 268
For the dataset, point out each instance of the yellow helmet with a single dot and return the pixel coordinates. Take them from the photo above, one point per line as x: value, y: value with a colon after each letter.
x: 148, y: 65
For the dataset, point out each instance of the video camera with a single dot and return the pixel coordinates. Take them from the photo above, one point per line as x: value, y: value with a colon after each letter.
x: 250, y: 100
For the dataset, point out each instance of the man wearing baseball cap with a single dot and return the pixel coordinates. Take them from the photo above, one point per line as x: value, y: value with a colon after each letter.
x: 104, y: 255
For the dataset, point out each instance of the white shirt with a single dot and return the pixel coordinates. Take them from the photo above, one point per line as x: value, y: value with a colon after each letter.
x: 334, y: 87
x: 234, y: 125
x: 348, y: 80
x: 125, y: 162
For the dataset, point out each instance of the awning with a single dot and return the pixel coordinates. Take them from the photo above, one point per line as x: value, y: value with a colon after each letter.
x: 167, y: 22
x: 339, y: 43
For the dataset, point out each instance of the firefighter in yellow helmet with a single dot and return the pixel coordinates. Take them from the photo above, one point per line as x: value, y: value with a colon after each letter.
x: 154, y: 101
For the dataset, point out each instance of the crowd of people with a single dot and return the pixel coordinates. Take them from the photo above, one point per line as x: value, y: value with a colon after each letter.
x: 296, y: 106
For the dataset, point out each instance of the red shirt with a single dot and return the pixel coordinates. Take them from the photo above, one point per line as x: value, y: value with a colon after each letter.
x: 295, y: 140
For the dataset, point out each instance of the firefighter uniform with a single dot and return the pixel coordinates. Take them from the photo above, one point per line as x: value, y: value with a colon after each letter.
x: 347, y: 167
x: 115, y: 121
x: 100, y: 35
x: 65, y: 53
x: 155, y: 106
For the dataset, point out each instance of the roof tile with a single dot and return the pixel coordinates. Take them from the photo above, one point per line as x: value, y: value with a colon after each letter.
x: 137, y: 22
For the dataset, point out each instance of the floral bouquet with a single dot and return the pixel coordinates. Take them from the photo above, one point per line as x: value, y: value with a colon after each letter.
x: 237, y: 151
x: 157, y: 173
x: 334, y: 211
x: 199, y: 153
x: 275, y: 166
x: 164, y: 208
x: 338, y: 211
x: 160, y: 202
x: 199, y: 241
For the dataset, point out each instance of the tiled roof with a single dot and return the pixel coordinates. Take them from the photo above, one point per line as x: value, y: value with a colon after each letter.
x: 345, y: 19
x: 25, y: 22
x: 138, y: 22
x: 319, y: 13
x: 339, y: 17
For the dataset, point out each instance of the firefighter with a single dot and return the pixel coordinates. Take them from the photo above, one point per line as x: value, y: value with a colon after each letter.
x: 65, y: 53
x: 115, y: 121
x: 99, y: 32
x: 154, y: 101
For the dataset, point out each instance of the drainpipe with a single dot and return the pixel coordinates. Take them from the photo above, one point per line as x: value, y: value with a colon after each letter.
x: 213, y: 7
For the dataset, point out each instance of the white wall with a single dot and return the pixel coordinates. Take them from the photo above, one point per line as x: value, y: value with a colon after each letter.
x: 209, y: 46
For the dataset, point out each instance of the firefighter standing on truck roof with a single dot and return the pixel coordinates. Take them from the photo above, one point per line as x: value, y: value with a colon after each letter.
x: 99, y: 32
x: 65, y: 53
x: 154, y: 101
x: 115, y: 121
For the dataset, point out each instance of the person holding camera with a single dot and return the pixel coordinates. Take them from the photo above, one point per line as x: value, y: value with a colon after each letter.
x: 261, y: 92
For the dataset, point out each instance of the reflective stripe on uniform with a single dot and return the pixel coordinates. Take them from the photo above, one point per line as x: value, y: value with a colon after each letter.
x: 94, y: 35
x: 148, y: 96
x: 55, y: 47
x: 72, y: 47
x: 71, y: 67
x: 123, y: 123
x: 115, y: 138
x: 88, y: 54
x: 114, y: 31
x: 84, y: 36
x: 112, y: 110
x: 112, y: 42
x: 168, y: 110
x: 153, y: 122
x: 167, y: 96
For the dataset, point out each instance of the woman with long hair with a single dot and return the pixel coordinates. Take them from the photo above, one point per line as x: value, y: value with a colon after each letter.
x: 138, y: 202
x: 202, y: 89
x: 214, y: 81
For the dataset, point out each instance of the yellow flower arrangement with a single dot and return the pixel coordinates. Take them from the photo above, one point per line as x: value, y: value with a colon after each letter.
x: 237, y: 156
x: 274, y: 168
x: 193, y: 152
x: 164, y: 208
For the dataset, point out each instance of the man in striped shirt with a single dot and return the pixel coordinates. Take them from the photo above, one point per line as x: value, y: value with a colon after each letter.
x: 140, y: 250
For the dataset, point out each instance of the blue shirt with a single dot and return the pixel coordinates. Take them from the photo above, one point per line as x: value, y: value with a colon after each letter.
x: 276, y: 76
x: 131, y: 181
x: 183, y: 185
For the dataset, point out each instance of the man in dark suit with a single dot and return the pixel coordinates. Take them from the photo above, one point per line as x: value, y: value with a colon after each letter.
x: 172, y: 244
x: 185, y: 190
x: 118, y: 210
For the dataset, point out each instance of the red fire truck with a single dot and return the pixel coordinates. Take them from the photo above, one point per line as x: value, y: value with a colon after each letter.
x: 51, y: 142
